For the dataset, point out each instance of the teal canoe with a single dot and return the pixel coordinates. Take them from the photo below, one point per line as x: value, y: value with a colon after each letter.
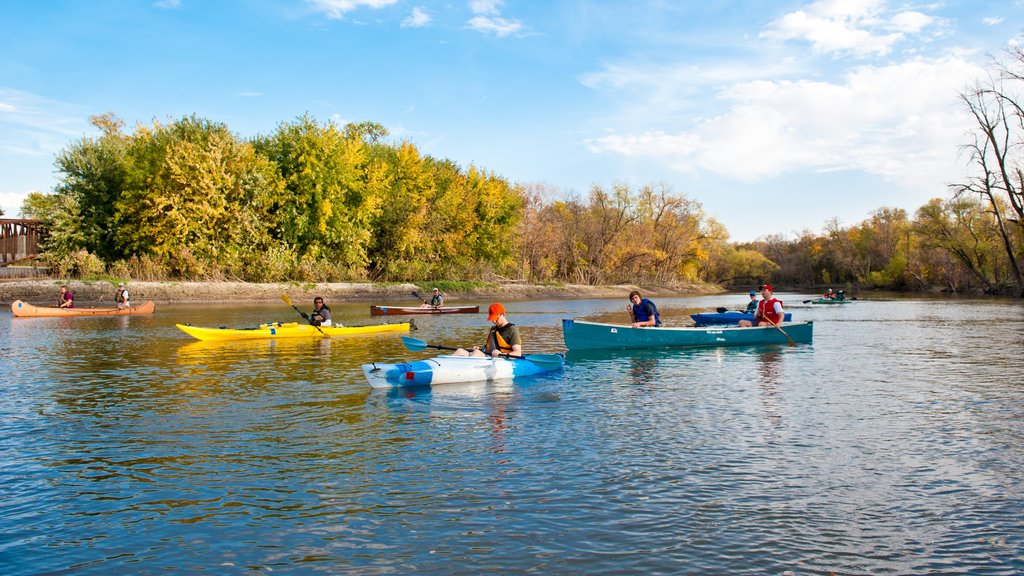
x: 582, y: 335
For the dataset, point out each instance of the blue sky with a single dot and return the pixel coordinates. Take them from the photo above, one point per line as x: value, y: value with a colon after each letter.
x: 776, y: 115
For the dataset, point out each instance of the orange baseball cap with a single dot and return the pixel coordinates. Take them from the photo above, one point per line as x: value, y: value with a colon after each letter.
x: 494, y: 311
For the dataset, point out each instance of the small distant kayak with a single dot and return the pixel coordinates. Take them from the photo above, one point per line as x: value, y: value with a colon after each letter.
x: 583, y: 335
x: 402, y: 310
x: 827, y: 301
x: 452, y: 369
x: 26, y: 310
x: 726, y: 318
x: 286, y: 330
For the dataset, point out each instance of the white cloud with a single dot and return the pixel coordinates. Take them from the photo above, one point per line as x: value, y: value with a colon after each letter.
x: 495, y: 24
x: 170, y: 4
x: 418, y: 18
x: 485, y: 6
x: 860, y: 27
x: 488, y: 19
x: 900, y: 122
x: 336, y: 9
x: 992, y: 21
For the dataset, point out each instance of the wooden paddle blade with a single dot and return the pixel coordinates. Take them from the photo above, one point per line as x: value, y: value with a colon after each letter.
x: 414, y: 344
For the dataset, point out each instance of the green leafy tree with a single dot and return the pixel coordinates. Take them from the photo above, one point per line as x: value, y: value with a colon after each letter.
x: 331, y: 189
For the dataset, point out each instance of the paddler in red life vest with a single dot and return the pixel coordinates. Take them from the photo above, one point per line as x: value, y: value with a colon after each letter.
x: 503, y: 337
x: 769, y: 309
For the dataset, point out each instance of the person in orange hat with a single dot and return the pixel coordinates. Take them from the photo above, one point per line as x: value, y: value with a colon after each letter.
x: 769, y: 309
x: 503, y: 337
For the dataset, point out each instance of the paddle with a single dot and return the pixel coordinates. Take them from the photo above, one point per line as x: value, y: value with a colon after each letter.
x: 417, y: 295
x: 288, y: 301
x: 546, y: 360
x: 791, y: 341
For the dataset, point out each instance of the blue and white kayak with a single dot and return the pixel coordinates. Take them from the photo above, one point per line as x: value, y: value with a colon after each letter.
x: 450, y: 369
x: 731, y: 317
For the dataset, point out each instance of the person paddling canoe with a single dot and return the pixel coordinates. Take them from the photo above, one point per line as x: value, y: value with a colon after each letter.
x: 769, y: 310
x: 436, y: 300
x: 66, y: 299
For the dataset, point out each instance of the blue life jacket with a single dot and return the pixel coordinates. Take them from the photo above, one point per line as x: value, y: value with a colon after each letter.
x: 641, y: 315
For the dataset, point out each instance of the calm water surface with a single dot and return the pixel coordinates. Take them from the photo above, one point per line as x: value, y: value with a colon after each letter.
x: 892, y: 445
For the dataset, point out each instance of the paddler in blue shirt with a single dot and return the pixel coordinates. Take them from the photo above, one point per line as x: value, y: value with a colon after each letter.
x: 642, y: 312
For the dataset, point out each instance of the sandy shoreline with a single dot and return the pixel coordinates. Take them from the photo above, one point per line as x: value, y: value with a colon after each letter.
x: 45, y: 291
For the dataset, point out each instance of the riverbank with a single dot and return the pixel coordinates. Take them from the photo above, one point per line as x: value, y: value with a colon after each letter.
x: 45, y: 291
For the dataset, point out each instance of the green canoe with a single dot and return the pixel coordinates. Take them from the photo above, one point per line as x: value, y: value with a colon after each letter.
x: 582, y: 335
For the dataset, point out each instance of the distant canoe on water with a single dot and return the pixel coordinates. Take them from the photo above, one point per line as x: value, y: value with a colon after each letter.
x: 403, y: 310
x: 26, y: 310
x: 827, y: 301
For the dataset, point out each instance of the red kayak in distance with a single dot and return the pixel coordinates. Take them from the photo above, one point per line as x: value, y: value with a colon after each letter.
x: 400, y: 310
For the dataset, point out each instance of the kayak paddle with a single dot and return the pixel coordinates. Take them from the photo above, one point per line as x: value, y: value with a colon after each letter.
x: 548, y: 360
x: 288, y: 301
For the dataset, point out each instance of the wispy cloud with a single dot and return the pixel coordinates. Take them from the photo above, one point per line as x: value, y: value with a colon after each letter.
x: 897, y: 121
x: 992, y: 21
x: 336, y: 9
x: 418, y: 18
x: 859, y: 27
x: 487, y: 18
x: 32, y: 126
x: 168, y: 4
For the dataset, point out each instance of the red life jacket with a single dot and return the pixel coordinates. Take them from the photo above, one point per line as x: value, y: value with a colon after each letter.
x: 767, y: 309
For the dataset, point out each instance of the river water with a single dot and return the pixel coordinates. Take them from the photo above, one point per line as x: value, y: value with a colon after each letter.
x: 894, y: 444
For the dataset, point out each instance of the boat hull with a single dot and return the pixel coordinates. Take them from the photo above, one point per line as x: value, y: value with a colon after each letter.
x: 403, y: 310
x: 451, y: 369
x: 582, y: 335
x: 727, y: 318
x: 829, y: 301
x: 26, y: 310
x: 286, y: 330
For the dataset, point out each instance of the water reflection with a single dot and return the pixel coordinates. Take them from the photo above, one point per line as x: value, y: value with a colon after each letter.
x: 770, y: 369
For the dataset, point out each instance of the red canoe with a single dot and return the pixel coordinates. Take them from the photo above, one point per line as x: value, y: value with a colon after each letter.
x: 399, y: 310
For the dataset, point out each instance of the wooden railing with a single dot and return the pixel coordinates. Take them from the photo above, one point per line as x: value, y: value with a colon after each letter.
x: 19, y: 239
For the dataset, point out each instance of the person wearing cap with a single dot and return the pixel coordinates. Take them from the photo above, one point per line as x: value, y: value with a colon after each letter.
x: 436, y: 300
x: 642, y: 312
x: 752, y: 305
x: 122, y: 297
x: 769, y: 309
x: 829, y: 294
x: 503, y: 338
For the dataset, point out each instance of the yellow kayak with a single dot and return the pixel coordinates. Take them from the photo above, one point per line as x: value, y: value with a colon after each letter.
x: 287, y: 330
